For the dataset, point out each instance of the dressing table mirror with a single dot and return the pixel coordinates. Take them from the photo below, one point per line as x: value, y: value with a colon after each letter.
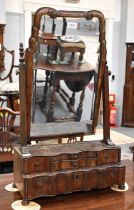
x: 61, y: 51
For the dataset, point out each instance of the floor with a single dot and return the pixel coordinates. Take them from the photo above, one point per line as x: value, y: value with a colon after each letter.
x: 125, y: 138
x: 122, y: 136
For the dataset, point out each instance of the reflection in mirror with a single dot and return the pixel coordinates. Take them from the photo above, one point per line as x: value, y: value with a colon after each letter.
x: 65, y: 73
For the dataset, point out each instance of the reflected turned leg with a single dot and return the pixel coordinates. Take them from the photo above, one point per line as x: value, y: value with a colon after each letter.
x: 62, y: 55
x: 72, y: 99
x: 50, y: 114
x: 43, y: 102
x: 82, y: 51
x: 80, y: 107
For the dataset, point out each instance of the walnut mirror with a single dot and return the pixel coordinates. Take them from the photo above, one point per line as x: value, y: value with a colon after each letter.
x: 62, y: 76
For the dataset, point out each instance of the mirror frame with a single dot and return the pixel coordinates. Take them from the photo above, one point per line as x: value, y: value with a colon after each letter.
x: 26, y: 65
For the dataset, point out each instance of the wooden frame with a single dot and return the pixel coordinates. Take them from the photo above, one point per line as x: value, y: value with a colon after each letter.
x: 26, y: 70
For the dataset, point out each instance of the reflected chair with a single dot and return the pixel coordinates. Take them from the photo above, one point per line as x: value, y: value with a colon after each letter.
x: 42, y: 76
x: 8, y: 136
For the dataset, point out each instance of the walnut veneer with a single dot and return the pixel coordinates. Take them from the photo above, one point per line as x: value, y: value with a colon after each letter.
x: 47, y: 170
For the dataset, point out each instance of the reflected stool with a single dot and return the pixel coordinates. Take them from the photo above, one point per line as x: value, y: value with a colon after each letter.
x: 70, y: 46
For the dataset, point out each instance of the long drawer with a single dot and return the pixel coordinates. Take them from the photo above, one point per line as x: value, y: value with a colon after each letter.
x: 72, y: 164
x: 49, y: 184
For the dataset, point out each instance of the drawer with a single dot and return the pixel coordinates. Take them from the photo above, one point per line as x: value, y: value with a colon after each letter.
x: 72, y: 164
x: 57, y: 183
x: 64, y: 165
x: 62, y: 157
x: 36, y: 164
x: 87, y: 162
x: 107, y: 156
x: 85, y: 154
x: 88, y: 154
x: 42, y: 186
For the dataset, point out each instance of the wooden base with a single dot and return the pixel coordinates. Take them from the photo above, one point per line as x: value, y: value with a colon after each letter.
x: 49, y: 170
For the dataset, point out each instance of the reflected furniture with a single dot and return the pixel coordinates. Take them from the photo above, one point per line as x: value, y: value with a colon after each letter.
x: 68, y: 44
x: 49, y: 40
x: 76, y: 76
x: 48, y: 170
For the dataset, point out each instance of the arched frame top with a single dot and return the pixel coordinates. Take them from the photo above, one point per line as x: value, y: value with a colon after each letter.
x: 53, y: 13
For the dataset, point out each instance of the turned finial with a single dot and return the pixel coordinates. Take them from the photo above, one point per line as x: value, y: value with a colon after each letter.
x: 21, y: 49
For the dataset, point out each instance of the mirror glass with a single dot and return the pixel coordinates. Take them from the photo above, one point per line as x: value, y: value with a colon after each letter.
x: 65, y: 71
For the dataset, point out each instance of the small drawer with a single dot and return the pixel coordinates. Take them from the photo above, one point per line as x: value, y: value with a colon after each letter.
x: 88, y: 154
x: 87, y: 162
x: 36, y: 164
x: 62, y: 157
x: 64, y: 165
x: 108, y: 156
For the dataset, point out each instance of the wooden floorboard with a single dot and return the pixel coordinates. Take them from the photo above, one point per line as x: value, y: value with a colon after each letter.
x: 104, y: 199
